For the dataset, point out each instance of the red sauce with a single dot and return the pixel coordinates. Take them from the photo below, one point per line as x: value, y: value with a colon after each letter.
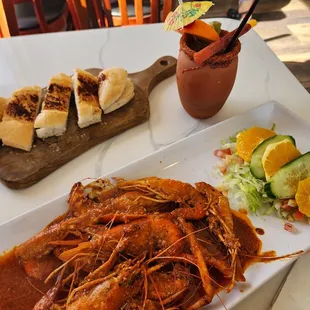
x: 259, y: 231
x: 17, y: 291
x: 250, y: 244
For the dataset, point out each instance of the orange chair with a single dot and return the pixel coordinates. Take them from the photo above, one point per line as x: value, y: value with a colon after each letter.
x: 12, y: 24
x: 109, y: 13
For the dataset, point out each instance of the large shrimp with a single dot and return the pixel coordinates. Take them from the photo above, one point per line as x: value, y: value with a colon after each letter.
x: 112, y: 199
x: 217, y: 200
x: 215, y: 253
x: 121, y: 209
x: 193, y: 204
x: 201, y: 263
x: 101, y: 190
x: 43, y: 243
x: 109, y: 293
x: 220, y: 222
x: 151, y: 234
x: 159, y: 286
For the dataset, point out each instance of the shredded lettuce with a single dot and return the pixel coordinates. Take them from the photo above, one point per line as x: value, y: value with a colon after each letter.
x: 244, y: 188
x: 230, y: 140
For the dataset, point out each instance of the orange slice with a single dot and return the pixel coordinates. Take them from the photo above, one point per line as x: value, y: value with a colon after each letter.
x: 277, y: 155
x: 249, y: 139
x: 201, y: 29
x: 303, y: 196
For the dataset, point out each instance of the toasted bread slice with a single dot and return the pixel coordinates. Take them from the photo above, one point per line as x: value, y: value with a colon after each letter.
x: 125, y: 97
x: 52, y: 120
x: 3, y: 102
x: 112, y: 83
x: 17, y: 127
x: 86, y: 98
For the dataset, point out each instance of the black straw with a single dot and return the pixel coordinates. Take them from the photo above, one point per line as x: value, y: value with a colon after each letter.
x: 244, y: 21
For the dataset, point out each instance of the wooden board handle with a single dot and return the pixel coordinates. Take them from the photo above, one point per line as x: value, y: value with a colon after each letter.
x: 160, y: 70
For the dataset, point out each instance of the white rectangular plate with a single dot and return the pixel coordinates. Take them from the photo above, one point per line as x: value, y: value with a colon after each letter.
x: 192, y: 160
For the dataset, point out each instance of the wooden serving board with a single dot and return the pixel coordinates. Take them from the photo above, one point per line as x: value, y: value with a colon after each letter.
x: 20, y: 169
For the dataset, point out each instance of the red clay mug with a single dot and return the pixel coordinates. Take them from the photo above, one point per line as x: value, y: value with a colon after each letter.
x: 204, y: 91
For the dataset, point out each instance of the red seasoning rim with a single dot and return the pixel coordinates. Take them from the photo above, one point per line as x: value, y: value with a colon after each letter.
x: 214, y: 59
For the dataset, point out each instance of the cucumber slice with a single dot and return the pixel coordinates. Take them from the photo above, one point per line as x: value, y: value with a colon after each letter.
x: 256, y: 165
x: 284, y: 183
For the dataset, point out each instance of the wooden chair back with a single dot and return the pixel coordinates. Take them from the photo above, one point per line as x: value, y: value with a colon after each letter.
x: 102, y: 9
x: 9, y: 18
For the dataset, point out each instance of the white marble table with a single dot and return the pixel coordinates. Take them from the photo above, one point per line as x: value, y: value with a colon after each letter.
x: 32, y: 60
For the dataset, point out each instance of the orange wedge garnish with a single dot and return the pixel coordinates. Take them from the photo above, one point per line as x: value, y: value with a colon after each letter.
x: 249, y: 139
x: 303, y: 196
x: 277, y: 155
x: 200, y: 29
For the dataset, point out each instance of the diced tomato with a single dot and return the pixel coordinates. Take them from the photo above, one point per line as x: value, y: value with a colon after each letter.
x: 289, y: 227
x: 298, y: 216
x: 222, y: 153
x: 223, y: 169
x: 286, y: 207
x: 227, y: 151
x: 219, y: 153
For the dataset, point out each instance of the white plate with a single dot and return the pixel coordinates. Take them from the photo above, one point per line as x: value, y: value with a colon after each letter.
x: 192, y: 160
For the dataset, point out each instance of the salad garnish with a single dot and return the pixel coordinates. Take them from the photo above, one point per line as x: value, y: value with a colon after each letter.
x: 244, y: 160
